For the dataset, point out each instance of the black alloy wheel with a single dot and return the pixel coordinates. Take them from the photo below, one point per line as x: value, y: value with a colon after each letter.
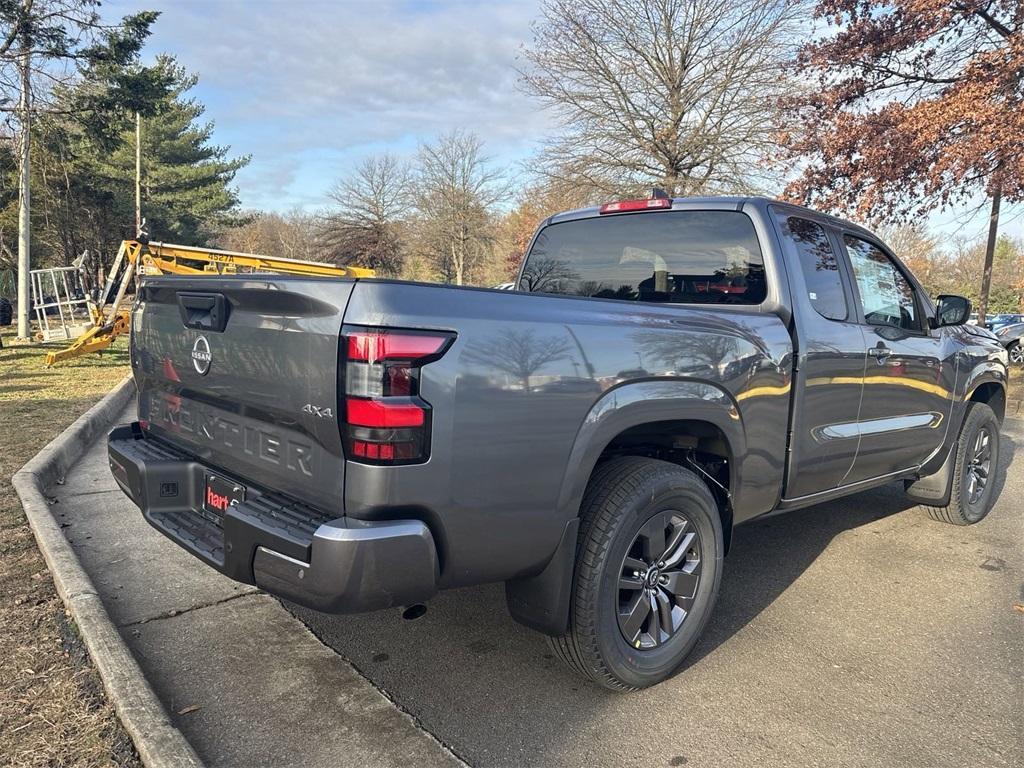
x: 648, y: 570
x: 659, y: 579
x: 976, y: 476
x: 979, y: 466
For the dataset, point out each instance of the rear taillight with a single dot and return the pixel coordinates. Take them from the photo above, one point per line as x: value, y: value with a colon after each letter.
x: 385, y: 421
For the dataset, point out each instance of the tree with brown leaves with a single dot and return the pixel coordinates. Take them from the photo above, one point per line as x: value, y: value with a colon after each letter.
x: 919, y: 105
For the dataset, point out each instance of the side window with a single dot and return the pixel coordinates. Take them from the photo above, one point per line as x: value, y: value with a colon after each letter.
x: 886, y: 295
x: 820, y: 267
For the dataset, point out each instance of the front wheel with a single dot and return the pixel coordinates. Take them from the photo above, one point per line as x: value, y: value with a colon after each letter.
x: 649, y: 564
x: 974, y: 473
x: 1016, y: 353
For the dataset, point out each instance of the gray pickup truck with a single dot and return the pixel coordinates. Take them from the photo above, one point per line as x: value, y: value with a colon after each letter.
x: 665, y: 371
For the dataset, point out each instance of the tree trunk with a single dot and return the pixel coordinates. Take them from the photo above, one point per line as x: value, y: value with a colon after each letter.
x: 24, y: 200
x: 457, y: 262
x: 990, y: 251
x: 138, y: 174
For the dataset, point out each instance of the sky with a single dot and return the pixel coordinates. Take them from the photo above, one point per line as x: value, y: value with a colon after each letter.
x: 308, y: 87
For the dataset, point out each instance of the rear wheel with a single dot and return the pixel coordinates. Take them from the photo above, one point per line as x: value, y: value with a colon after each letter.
x: 977, y: 459
x: 648, y: 568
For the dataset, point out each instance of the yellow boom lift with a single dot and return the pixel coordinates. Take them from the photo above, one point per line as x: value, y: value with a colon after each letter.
x: 151, y: 258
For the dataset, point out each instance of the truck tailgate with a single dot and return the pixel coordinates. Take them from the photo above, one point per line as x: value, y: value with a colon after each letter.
x: 242, y: 372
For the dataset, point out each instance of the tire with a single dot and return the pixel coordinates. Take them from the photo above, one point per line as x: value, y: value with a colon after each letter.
x: 966, y: 504
x: 626, y: 502
x: 1016, y: 351
x: 6, y: 312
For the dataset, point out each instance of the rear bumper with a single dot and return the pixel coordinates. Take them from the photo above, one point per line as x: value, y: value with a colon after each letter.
x: 287, y: 548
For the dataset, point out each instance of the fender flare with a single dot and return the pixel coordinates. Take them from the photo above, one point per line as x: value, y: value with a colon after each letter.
x: 645, y: 402
x: 543, y: 601
x: 985, y: 372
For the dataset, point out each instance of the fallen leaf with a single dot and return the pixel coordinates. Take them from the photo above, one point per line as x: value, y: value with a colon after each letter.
x: 1018, y: 607
x: 189, y: 709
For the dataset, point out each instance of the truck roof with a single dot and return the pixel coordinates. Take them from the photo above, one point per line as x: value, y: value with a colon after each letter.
x: 734, y: 202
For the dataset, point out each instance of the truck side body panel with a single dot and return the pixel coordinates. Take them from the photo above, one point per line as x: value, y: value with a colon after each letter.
x: 521, y: 401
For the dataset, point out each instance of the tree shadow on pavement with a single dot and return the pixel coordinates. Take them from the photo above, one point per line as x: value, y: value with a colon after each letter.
x: 769, y: 554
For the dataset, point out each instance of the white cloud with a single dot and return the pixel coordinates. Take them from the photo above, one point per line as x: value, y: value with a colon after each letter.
x: 309, y: 87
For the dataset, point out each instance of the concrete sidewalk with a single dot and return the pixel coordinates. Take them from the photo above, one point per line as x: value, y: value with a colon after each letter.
x: 245, y: 681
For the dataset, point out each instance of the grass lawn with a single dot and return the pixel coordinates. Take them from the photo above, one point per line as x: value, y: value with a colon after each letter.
x: 52, y: 708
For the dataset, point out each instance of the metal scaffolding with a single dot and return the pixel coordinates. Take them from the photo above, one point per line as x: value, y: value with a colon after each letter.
x: 60, y: 302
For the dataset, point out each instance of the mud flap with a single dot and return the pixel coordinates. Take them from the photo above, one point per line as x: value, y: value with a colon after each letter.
x: 935, y: 489
x: 541, y: 602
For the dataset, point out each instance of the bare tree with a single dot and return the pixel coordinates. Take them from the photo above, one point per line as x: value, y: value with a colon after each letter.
x: 293, y: 235
x: 456, y: 191
x: 44, y: 44
x: 679, y: 93
x: 365, y: 229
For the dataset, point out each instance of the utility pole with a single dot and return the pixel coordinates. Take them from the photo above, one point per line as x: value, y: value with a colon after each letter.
x: 138, y: 174
x: 990, y: 252
x: 24, y: 195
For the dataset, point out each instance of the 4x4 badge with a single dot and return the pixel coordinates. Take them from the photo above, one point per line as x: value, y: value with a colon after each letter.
x: 323, y: 413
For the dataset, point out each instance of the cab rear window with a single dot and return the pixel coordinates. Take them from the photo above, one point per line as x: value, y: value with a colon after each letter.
x: 686, y: 257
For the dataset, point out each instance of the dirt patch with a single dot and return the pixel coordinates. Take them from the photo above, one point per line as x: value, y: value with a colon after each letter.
x: 53, y: 711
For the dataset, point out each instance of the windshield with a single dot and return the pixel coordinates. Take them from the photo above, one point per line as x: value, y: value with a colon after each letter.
x: 707, y: 257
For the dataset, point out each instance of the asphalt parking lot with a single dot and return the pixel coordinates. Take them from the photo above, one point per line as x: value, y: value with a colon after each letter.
x: 856, y: 633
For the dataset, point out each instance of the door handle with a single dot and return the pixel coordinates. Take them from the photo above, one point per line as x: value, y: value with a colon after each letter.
x: 880, y: 353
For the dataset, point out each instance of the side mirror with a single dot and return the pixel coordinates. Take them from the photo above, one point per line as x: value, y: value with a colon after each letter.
x: 951, y: 310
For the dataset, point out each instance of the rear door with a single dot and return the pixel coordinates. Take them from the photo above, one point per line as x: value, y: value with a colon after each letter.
x: 910, y: 379
x: 242, y: 372
x: 831, y: 359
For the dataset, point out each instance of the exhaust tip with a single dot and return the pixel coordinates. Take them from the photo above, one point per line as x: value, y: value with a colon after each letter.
x: 413, y: 612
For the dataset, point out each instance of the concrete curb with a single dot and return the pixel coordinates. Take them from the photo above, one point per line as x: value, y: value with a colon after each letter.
x: 159, y: 743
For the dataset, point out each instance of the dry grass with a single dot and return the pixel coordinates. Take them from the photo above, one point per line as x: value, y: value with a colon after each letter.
x: 52, y: 708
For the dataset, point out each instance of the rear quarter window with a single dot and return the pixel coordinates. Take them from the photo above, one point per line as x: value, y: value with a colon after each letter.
x: 702, y: 257
x: 807, y: 241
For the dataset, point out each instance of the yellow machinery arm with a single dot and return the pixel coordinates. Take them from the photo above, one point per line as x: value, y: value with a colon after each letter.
x: 166, y: 258
x: 152, y: 258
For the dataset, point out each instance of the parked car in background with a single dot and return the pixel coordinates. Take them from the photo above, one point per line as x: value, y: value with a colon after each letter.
x: 1006, y: 318
x: 1012, y: 338
x: 663, y: 371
